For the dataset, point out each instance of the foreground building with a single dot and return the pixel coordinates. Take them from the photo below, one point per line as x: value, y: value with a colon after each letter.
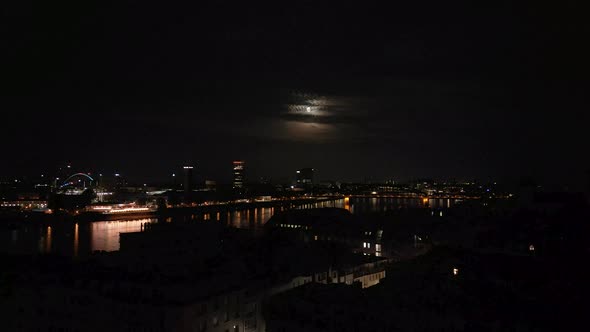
x: 195, y: 276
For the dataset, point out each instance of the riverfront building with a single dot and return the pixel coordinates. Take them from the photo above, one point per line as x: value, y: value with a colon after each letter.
x: 238, y: 174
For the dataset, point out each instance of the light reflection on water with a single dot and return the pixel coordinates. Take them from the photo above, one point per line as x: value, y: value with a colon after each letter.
x: 105, y: 234
x: 81, y: 239
x: 76, y: 241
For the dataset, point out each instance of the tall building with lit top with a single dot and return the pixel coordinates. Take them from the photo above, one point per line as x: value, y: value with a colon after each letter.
x: 119, y: 181
x: 304, y: 177
x: 187, y: 185
x: 238, y: 180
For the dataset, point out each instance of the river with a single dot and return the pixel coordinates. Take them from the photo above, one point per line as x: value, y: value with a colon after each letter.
x: 80, y: 239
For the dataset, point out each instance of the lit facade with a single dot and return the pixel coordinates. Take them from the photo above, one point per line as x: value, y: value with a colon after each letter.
x: 238, y: 174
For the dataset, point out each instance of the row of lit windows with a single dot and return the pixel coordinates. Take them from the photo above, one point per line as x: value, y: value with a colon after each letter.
x: 377, y: 276
x: 24, y: 205
x: 294, y: 226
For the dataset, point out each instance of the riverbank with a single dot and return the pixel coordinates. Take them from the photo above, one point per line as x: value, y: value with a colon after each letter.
x: 14, y: 219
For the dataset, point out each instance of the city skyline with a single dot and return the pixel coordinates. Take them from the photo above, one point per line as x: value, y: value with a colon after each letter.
x: 451, y: 91
x: 177, y: 176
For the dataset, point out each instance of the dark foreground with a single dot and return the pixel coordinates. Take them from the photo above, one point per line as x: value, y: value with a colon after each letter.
x: 482, y: 266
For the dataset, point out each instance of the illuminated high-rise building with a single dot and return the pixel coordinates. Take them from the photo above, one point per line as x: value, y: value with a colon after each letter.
x: 119, y: 181
x: 238, y: 181
x: 187, y: 185
x: 304, y: 177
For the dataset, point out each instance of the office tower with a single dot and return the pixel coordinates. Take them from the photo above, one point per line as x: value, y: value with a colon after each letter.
x: 238, y: 180
x: 188, y: 179
x: 304, y: 177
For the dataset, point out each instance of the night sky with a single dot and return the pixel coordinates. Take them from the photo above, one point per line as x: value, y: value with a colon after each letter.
x: 439, y: 89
